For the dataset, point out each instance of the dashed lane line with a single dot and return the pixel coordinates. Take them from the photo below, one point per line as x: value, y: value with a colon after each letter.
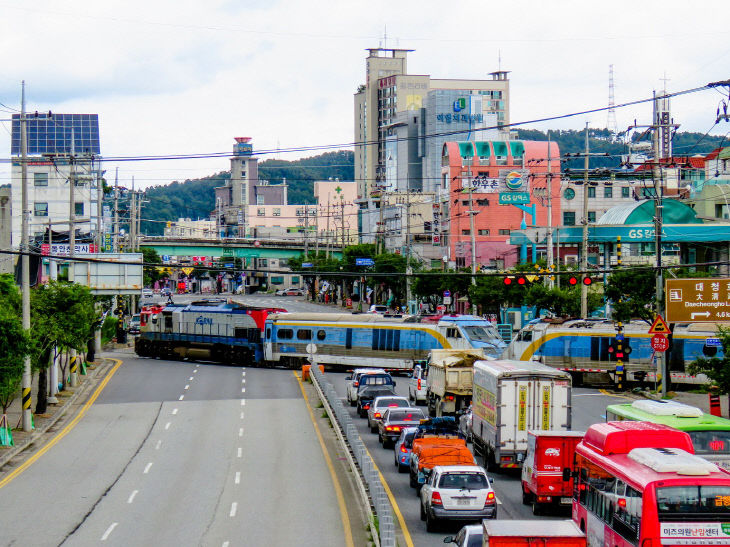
x: 131, y: 496
x: 147, y: 468
x: 109, y: 531
x: 237, y: 480
x: 234, y: 508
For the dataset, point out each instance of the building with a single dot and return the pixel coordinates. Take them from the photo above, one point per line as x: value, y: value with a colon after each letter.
x: 185, y: 228
x: 6, y: 214
x: 337, y: 213
x: 401, y: 120
x: 243, y: 190
x: 709, y: 195
x: 60, y: 148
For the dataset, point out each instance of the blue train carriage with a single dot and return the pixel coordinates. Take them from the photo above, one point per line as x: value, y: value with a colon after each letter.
x: 478, y: 333
x: 581, y: 348
x: 213, y: 329
x: 353, y: 340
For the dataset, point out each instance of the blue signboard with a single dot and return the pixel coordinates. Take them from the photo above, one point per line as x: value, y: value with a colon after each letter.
x: 364, y: 262
x: 228, y: 265
x: 713, y: 343
x: 509, y: 198
x: 307, y: 265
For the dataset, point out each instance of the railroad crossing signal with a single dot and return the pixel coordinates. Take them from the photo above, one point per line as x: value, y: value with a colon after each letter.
x: 573, y: 280
x: 659, y: 326
x: 520, y: 280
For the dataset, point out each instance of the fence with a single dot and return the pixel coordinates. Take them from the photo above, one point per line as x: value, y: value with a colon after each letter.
x: 371, y: 488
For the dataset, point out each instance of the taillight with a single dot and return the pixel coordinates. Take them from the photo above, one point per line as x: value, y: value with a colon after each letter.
x: 392, y: 428
x: 436, y: 498
x: 365, y: 406
x: 355, y: 384
x: 419, y: 383
x: 403, y: 449
x: 490, y: 499
x: 449, y: 397
x: 376, y: 415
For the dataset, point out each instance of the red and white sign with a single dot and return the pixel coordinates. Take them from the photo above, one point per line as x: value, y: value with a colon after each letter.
x: 257, y: 243
x: 659, y: 342
x: 441, y: 309
x: 62, y: 249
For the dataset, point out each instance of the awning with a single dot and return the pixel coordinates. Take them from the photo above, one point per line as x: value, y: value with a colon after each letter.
x: 466, y: 149
x: 483, y: 149
x: 500, y: 148
x: 517, y: 148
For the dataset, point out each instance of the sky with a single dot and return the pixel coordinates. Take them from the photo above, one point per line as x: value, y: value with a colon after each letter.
x: 186, y: 77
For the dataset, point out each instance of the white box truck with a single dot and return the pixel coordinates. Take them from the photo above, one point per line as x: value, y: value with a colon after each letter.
x: 449, y: 381
x: 510, y: 398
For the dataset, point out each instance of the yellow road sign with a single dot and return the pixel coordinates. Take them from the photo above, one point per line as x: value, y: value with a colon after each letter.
x: 659, y: 326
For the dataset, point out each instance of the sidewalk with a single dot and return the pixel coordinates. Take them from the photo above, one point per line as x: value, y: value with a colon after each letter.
x: 44, y: 423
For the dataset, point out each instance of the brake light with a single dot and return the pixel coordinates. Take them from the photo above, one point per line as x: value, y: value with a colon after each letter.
x: 490, y: 499
x: 436, y: 499
x: 419, y: 383
x: 449, y: 397
x: 365, y: 406
x: 393, y: 406
x: 376, y: 415
x: 355, y: 384
x: 622, y: 502
x: 392, y: 428
x: 403, y: 449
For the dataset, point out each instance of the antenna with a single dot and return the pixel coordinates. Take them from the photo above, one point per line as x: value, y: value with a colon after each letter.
x: 611, y: 123
x: 499, y: 60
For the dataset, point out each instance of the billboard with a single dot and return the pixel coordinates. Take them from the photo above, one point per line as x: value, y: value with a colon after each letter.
x: 107, y: 277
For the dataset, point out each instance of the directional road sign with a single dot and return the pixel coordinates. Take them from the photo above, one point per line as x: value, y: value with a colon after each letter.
x: 659, y: 342
x: 364, y: 262
x: 702, y: 300
x: 713, y: 343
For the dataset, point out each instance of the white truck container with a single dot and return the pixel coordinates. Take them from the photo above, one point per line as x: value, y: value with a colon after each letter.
x: 510, y: 398
x: 449, y: 381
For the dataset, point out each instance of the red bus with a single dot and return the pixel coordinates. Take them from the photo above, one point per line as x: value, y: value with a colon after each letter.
x: 639, y: 483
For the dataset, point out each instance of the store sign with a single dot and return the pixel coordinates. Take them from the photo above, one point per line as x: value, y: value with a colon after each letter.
x: 507, y: 181
x: 63, y: 249
x: 510, y: 198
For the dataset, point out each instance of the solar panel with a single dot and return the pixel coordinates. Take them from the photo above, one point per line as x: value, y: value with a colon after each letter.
x: 52, y: 134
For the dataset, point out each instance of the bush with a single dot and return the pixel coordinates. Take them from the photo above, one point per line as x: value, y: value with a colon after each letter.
x: 108, y: 329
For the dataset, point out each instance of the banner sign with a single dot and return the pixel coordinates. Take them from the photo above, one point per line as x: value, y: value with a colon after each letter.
x: 63, y: 249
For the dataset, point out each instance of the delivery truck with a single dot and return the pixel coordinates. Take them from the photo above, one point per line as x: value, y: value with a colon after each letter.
x: 510, y: 398
x: 546, y: 473
x: 449, y: 381
x: 531, y: 533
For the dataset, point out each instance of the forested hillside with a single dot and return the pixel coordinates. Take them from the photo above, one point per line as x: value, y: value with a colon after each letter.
x: 195, y: 198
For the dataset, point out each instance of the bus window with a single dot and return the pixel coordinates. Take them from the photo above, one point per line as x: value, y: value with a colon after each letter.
x: 681, y: 502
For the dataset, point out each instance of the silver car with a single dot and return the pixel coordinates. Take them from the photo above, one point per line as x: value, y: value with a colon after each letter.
x: 379, y: 406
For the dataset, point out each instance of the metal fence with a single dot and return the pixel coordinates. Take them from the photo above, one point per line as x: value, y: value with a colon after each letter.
x: 371, y: 487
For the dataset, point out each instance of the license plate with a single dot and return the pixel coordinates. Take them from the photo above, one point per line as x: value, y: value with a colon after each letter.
x: 463, y: 501
x: 566, y: 501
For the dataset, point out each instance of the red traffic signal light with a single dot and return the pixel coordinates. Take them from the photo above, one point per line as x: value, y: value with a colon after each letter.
x: 587, y: 280
x: 572, y: 280
x: 507, y: 281
x: 521, y: 281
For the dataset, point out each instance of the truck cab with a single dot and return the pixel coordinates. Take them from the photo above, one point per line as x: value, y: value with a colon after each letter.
x: 417, y: 383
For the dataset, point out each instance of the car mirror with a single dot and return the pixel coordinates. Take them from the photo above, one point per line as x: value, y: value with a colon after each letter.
x: 348, y: 378
x: 394, y: 383
x: 449, y: 539
x: 566, y: 474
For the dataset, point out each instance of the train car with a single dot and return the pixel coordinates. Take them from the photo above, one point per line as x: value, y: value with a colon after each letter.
x: 353, y: 340
x: 581, y: 347
x: 213, y: 329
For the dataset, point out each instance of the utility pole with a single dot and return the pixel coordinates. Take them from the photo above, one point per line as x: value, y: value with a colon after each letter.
x: 549, y: 183
x: 658, y: 214
x: 381, y: 227
x: 72, y: 209
x: 316, y: 231
x: 138, y: 231
x: 306, y: 230
x: 472, y: 236
x: 584, y: 242
x: 328, y: 228
x: 27, y: 418
x: 342, y: 222
x: 115, y: 228
x: 409, y: 270
x: 99, y: 196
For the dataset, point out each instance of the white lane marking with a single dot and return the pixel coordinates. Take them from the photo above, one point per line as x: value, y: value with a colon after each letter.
x: 240, y: 452
x: 190, y: 378
x: 225, y: 544
x: 499, y: 501
x: 242, y: 414
x: 243, y: 372
x: 157, y: 446
x: 234, y: 507
x: 109, y: 531
x: 196, y: 370
x: 243, y: 380
x: 181, y: 397
x: 238, y: 477
x: 174, y: 411
x: 240, y: 432
x: 243, y: 390
x: 131, y: 496
x: 167, y: 425
x: 243, y: 402
x: 147, y: 468
x: 187, y: 386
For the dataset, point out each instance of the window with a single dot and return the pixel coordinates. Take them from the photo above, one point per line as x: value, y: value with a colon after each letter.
x: 285, y: 334
x: 40, y: 209
x: 465, y: 203
x: 40, y: 179
x: 321, y: 335
x: 259, y: 200
x: 304, y: 334
x: 79, y: 208
x: 591, y: 216
x: 625, y: 191
x: 504, y: 232
x: 243, y: 173
x: 277, y: 212
x: 465, y: 232
x: 452, y: 332
x: 483, y: 232
x: 608, y: 191
x: 483, y: 202
x: 263, y: 262
x: 261, y: 212
x: 569, y: 218
x: 591, y: 191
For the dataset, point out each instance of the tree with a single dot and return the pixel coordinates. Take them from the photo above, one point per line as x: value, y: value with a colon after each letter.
x: 716, y: 368
x: 150, y: 274
x: 14, y: 343
x: 632, y: 294
x: 560, y: 301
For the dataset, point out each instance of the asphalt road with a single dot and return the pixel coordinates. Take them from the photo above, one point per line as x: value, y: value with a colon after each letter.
x: 588, y: 408
x: 177, y: 453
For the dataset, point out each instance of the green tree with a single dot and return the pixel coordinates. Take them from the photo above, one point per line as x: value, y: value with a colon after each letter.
x: 150, y: 274
x: 560, y: 301
x: 716, y: 368
x: 13, y: 341
x: 632, y: 294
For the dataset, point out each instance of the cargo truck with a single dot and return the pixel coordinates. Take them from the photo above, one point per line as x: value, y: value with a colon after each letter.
x: 546, y: 473
x: 449, y: 381
x: 531, y: 533
x: 510, y: 398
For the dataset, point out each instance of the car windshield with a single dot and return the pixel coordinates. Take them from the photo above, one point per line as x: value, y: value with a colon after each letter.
x: 710, y: 442
x: 486, y: 333
x: 475, y: 540
x: 410, y: 415
x: 459, y: 481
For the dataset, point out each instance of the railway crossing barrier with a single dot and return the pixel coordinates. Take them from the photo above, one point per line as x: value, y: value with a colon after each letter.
x: 369, y: 482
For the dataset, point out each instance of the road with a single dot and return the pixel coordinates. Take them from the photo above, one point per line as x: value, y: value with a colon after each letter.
x: 588, y: 408
x: 176, y: 453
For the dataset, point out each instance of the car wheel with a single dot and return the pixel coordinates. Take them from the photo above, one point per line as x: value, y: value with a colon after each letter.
x: 430, y: 523
x: 402, y: 469
x: 380, y: 439
x: 412, y: 481
x: 526, y: 497
x: 423, y: 512
x: 536, y: 509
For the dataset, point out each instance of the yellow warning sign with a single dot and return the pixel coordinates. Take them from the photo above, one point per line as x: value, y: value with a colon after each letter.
x: 659, y: 326
x: 187, y: 271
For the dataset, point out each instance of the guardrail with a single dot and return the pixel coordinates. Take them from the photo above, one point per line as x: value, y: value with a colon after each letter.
x: 371, y: 488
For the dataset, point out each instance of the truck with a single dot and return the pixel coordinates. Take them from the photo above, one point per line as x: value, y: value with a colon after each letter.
x: 527, y: 533
x: 509, y: 399
x: 546, y: 473
x: 429, y: 452
x: 449, y: 381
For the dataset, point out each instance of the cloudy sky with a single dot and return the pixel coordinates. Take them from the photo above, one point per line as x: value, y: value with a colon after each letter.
x: 186, y: 77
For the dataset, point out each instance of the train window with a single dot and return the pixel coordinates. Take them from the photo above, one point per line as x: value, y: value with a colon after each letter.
x: 240, y: 332
x: 304, y: 334
x: 321, y: 335
x: 285, y: 334
x: 452, y: 332
x: 709, y: 351
x: 526, y: 336
x: 268, y: 334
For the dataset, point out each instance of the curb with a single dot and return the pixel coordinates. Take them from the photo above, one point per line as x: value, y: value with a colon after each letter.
x: 60, y: 412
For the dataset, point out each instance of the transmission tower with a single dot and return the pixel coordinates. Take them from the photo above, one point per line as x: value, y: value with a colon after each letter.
x: 611, y: 123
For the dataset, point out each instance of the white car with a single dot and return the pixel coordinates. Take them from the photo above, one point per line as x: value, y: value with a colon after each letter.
x: 417, y: 384
x: 378, y: 308
x: 380, y: 405
x: 353, y: 382
x: 471, y: 535
x: 147, y: 293
x: 457, y: 493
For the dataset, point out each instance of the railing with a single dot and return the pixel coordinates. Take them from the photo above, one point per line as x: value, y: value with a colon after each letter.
x: 370, y: 486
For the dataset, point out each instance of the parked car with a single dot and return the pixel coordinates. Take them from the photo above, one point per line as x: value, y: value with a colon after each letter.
x: 457, y: 493
x: 147, y: 293
x: 378, y: 308
x: 402, y: 448
x: 471, y: 535
x: 465, y: 423
x: 395, y: 419
x: 353, y: 382
x: 134, y: 324
x: 291, y: 291
x: 379, y: 406
x: 366, y: 395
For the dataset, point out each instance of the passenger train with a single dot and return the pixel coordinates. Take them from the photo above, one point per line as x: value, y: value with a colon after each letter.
x: 231, y: 332
x: 581, y: 347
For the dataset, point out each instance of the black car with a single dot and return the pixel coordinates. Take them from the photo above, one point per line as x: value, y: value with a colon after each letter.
x: 366, y: 395
x: 395, y: 419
